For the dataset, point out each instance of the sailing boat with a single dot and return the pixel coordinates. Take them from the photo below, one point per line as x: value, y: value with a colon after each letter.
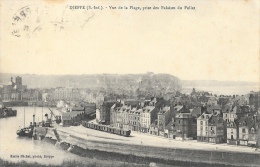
x: 26, y: 131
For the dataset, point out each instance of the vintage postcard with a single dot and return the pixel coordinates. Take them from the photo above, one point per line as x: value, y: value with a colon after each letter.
x: 129, y: 83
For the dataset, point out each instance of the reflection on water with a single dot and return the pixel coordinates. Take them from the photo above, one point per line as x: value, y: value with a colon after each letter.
x: 13, y: 145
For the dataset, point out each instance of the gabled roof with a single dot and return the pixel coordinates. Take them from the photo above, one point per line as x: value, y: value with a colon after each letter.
x: 183, y: 115
x: 212, y: 108
x: 231, y: 124
x: 195, y: 111
x: 132, y: 102
x: 247, y: 121
x: 164, y: 110
x: 178, y: 108
x: 215, y: 119
x: 77, y: 109
x: 147, y: 109
x: 205, y: 116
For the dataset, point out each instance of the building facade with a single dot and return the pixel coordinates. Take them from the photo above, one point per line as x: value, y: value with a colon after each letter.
x: 164, y: 117
x: 184, y: 126
x: 148, y: 114
x: 232, y: 133
x: 202, y: 127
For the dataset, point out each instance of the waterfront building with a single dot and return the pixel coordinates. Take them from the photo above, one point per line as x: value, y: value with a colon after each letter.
x: 148, y: 115
x: 113, y: 113
x: 134, y: 119
x: 230, y: 113
x: 119, y: 116
x: 66, y: 94
x: 31, y: 95
x: 104, y: 112
x: 216, y: 129
x: 164, y: 117
x: 232, y: 133
x: 184, y: 126
x: 245, y: 125
x: 170, y: 129
x: 154, y: 128
x: 71, y: 118
x: 233, y: 112
x: 253, y: 133
x: 122, y: 117
x: 202, y: 127
x: 13, y: 91
x: 44, y: 97
x: 88, y: 107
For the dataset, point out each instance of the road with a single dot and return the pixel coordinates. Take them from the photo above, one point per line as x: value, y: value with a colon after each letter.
x: 144, y: 139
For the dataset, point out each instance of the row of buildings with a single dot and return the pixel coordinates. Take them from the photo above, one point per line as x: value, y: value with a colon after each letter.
x: 233, y: 121
x: 15, y: 91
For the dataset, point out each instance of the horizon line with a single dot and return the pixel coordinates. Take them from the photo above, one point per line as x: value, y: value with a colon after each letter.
x: 132, y: 74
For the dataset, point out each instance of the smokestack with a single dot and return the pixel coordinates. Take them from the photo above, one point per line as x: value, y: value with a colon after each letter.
x: 46, y: 115
x: 34, y: 123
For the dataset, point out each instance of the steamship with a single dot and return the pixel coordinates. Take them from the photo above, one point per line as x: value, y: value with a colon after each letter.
x: 27, y: 131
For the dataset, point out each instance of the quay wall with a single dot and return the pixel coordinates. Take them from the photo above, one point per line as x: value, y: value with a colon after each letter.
x: 146, y: 154
x: 15, y: 103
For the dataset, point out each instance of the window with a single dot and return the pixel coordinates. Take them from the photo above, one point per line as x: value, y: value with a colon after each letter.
x: 232, y: 137
x: 243, y: 130
x: 201, y: 122
x: 201, y: 128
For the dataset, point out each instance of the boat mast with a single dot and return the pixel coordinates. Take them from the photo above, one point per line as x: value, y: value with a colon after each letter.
x: 42, y: 111
x: 24, y: 117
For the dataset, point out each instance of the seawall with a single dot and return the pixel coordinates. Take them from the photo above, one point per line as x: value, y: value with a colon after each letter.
x: 146, y: 154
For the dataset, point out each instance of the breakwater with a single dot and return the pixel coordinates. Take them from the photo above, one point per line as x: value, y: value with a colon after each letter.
x: 146, y: 154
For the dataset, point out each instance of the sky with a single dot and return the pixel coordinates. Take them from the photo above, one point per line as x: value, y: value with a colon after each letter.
x: 219, y: 40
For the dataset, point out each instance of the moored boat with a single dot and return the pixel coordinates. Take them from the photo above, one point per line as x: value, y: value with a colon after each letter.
x: 27, y: 131
x: 7, y: 112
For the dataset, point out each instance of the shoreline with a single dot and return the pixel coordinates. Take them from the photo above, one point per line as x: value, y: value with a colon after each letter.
x: 86, y: 144
x: 140, y: 139
x: 137, y: 159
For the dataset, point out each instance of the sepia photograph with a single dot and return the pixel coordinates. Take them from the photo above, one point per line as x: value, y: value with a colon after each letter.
x: 129, y: 83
